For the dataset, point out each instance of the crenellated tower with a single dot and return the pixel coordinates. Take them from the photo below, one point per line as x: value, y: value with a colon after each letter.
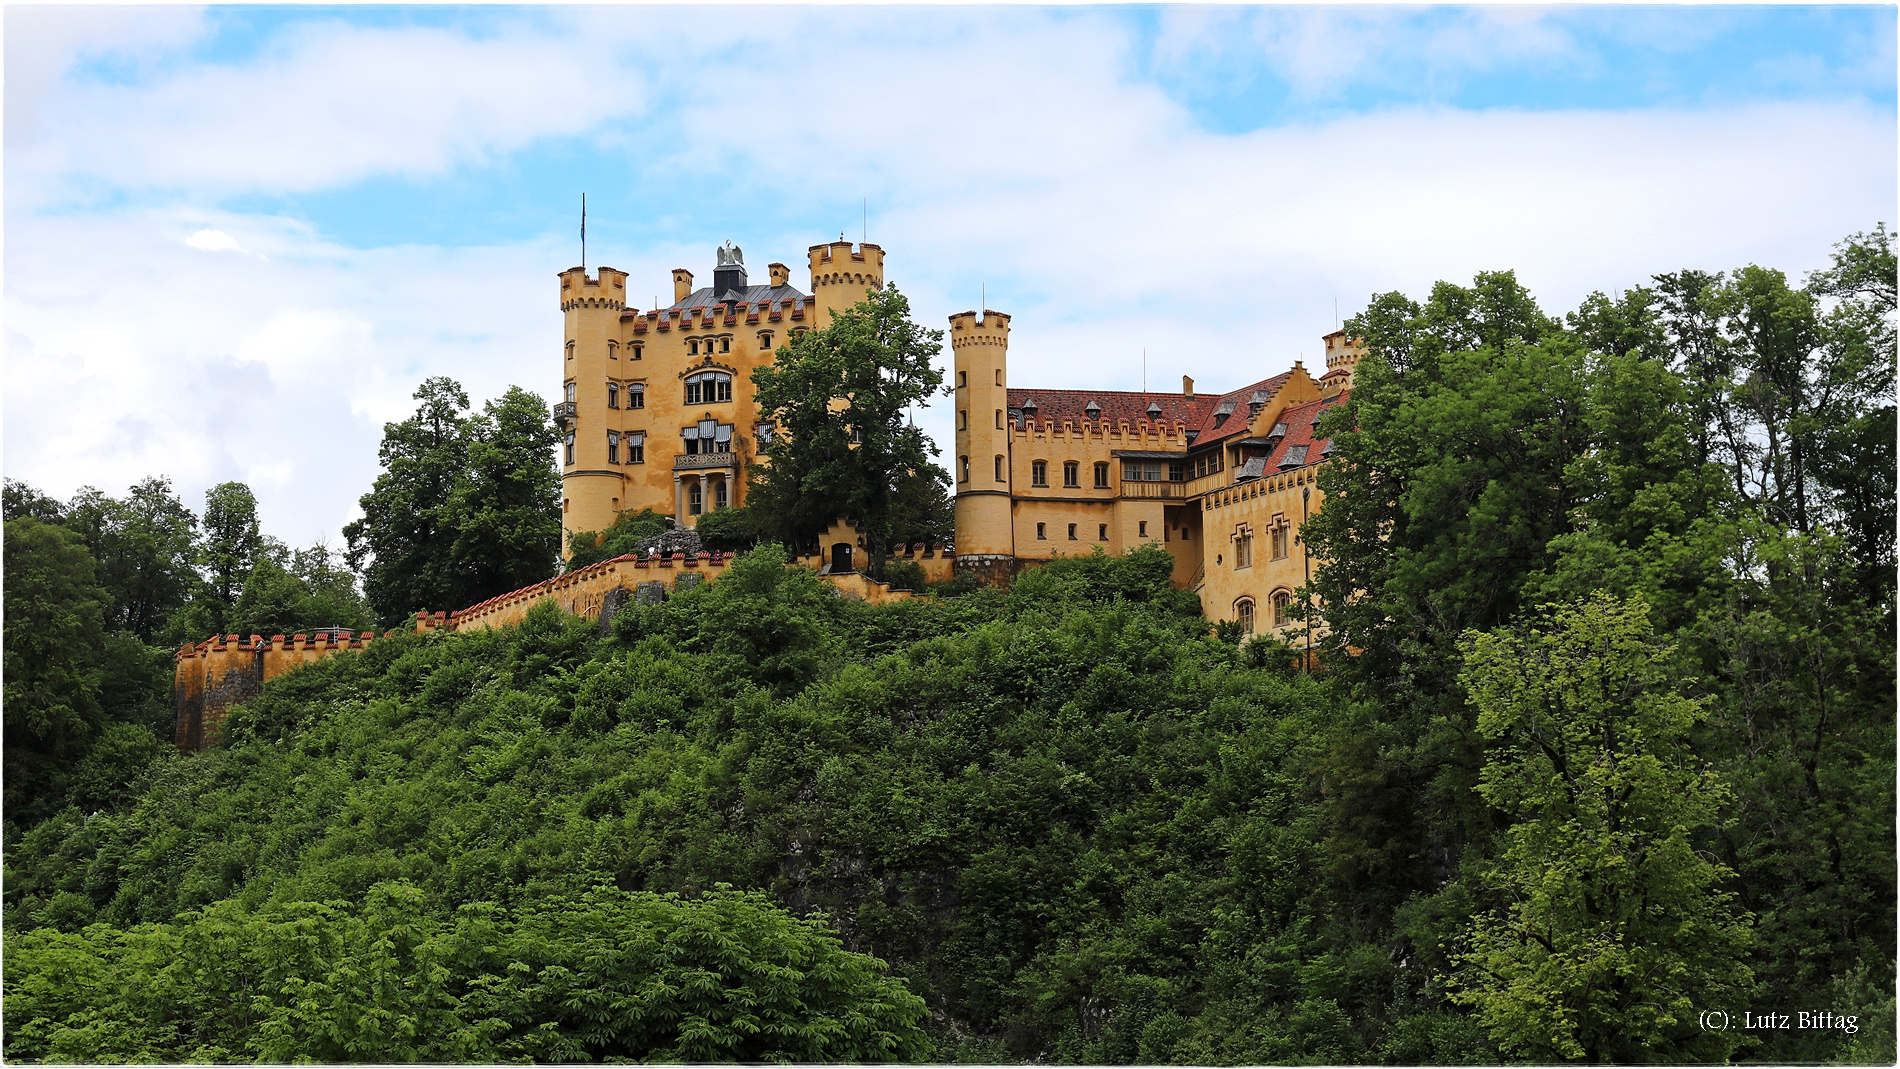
x: 592, y: 490
x: 985, y: 532
x: 841, y: 277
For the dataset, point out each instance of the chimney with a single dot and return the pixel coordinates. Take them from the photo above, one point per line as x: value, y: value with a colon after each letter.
x: 780, y: 274
x: 1187, y: 386
x: 682, y: 284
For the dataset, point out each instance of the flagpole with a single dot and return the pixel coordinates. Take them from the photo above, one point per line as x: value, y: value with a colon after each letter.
x: 583, y: 234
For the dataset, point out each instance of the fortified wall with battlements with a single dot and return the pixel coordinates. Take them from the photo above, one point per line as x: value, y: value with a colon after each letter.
x: 211, y: 677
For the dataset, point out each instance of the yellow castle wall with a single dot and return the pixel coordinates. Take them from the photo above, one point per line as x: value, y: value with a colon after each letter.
x: 608, y: 342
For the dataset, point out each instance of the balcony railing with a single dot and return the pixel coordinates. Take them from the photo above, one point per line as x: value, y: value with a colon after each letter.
x: 565, y: 413
x: 1131, y: 488
x: 696, y: 461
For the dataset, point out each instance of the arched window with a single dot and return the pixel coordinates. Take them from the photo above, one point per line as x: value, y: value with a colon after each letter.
x: 1071, y: 473
x: 695, y: 500
x: 1282, y: 608
x: 1039, y: 473
x: 1243, y: 614
x: 570, y: 391
x: 708, y: 388
x: 719, y: 494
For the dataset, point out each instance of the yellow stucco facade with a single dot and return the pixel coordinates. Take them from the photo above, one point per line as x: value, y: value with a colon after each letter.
x: 1222, y: 482
x: 656, y: 407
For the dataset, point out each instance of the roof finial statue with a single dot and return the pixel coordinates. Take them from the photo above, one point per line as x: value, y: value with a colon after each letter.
x: 730, y: 255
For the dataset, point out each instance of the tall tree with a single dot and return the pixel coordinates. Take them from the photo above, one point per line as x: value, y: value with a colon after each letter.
x: 839, y: 397
x: 55, y: 612
x: 232, y: 539
x: 508, y: 506
x: 146, y: 549
x: 466, y: 507
x: 1609, y: 930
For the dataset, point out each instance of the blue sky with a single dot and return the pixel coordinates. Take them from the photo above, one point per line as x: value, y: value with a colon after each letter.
x: 247, y: 233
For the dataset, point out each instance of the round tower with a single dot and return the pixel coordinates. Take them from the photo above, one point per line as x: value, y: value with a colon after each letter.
x: 985, y: 539
x: 841, y: 278
x: 591, y: 489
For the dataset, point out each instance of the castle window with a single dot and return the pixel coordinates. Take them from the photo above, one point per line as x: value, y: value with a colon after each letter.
x: 1280, y: 541
x: 1101, y: 532
x: 1042, y: 531
x: 1072, y: 532
x: 1282, y: 608
x: 1071, y: 473
x: 1243, y: 614
x: 1101, y: 475
x: 725, y: 345
x: 708, y: 387
x: 1176, y: 471
x: 999, y: 376
x: 570, y: 350
x: 695, y: 498
x: 570, y: 391
x: 633, y: 351
x: 636, y: 397
x: 719, y: 494
x: 1243, y: 551
x: 765, y: 341
x: 570, y: 447
x: 765, y: 432
x: 963, y: 378
x: 963, y: 419
x: 613, y: 447
x: 613, y: 395
x: 999, y: 419
x: 966, y: 469
x: 1039, y: 473
x: 1141, y: 529
x: 999, y: 467
x: 1141, y: 471
x: 636, y: 447
x: 692, y: 347
x: 707, y: 436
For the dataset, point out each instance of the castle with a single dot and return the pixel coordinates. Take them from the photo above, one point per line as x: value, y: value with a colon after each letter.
x: 657, y: 412
x: 1222, y: 482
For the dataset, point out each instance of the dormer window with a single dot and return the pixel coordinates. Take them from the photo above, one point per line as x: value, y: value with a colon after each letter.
x: 1154, y: 410
x: 1278, y: 431
x: 1094, y: 411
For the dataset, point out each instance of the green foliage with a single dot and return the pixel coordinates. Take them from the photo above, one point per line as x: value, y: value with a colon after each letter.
x: 1611, y: 930
x: 467, y: 506
x: 729, y: 530
x: 232, y: 542
x: 146, y: 548
x: 839, y: 397
x: 602, y: 975
x: 307, y: 591
x: 629, y: 530
x: 54, y: 639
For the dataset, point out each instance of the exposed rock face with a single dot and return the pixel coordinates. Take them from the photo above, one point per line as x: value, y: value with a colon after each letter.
x: 680, y: 541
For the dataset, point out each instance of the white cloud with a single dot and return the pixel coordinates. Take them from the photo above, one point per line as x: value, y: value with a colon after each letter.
x: 1012, y: 150
x: 213, y: 241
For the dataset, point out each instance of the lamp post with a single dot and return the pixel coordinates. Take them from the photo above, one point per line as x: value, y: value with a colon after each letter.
x: 1306, y: 561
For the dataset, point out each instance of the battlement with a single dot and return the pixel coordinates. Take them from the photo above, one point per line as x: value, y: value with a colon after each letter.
x: 839, y: 263
x: 210, y: 677
x: 968, y: 328
x: 607, y: 290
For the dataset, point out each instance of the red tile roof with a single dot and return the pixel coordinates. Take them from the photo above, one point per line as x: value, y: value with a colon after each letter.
x: 1299, y: 432
x: 1196, y: 412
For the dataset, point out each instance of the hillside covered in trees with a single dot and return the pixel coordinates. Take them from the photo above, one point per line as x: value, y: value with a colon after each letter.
x: 1605, y: 740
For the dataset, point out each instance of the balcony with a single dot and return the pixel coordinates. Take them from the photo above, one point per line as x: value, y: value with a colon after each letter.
x: 565, y: 413
x: 705, y: 461
x: 1172, y: 491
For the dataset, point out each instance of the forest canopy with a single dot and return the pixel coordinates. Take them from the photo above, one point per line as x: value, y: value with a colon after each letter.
x: 1604, y: 739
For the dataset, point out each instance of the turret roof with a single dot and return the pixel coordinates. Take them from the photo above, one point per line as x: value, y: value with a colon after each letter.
x: 704, y: 296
